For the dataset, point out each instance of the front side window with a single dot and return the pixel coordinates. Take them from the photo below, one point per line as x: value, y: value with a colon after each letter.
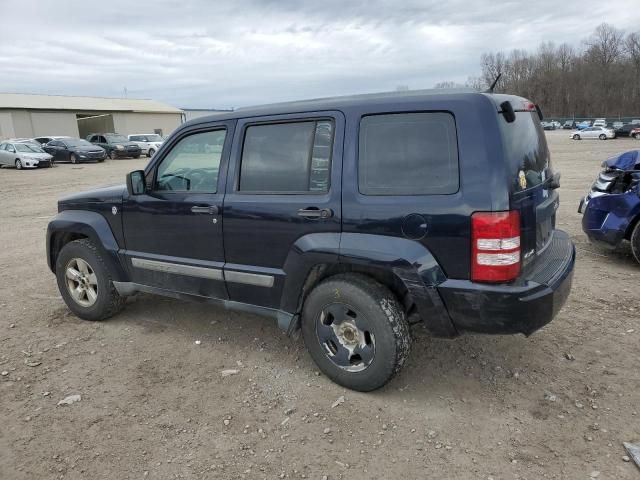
x: 287, y: 157
x: 408, y: 154
x: 192, y: 165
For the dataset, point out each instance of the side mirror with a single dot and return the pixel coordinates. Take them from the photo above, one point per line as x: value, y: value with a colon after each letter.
x: 136, y: 184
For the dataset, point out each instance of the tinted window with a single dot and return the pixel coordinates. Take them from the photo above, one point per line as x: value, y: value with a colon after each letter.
x: 525, y: 149
x: 3, y: 146
x: 192, y: 164
x: 408, y: 154
x: 55, y: 143
x: 287, y: 157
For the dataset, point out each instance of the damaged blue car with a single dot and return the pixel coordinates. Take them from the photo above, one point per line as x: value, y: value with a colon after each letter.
x: 612, y: 207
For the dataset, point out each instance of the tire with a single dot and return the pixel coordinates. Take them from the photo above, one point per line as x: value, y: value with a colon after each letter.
x: 107, y: 302
x: 136, y: 156
x: 602, y: 136
x: 635, y: 242
x: 381, y: 331
x: 113, y: 155
x: 19, y: 164
x: 576, y: 137
x: 150, y: 152
x: 636, y: 136
x: 100, y: 160
x: 73, y: 159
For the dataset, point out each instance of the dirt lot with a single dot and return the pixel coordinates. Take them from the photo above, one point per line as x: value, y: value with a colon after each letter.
x: 155, y: 405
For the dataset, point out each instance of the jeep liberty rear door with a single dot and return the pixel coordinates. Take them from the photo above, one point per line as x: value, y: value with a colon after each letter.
x: 282, y: 200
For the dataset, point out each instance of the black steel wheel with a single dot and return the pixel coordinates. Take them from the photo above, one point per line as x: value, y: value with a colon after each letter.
x: 356, y: 331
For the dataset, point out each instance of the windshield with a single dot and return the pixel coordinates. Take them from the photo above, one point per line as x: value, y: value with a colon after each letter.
x: 153, y: 138
x: 76, y: 142
x: 117, y: 139
x: 526, y: 150
x: 23, y: 147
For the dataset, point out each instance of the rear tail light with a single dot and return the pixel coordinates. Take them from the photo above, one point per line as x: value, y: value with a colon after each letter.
x: 495, y: 251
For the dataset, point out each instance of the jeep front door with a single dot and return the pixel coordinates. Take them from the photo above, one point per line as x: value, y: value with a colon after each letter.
x: 173, y: 232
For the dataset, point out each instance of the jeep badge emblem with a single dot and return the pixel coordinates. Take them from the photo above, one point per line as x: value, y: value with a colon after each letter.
x: 114, y: 210
x: 522, y: 180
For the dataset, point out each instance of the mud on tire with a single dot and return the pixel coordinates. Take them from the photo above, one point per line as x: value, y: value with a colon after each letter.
x: 381, y: 315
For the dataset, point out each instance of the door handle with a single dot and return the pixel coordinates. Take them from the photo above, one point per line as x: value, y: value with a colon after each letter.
x: 208, y: 209
x: 314, y: 212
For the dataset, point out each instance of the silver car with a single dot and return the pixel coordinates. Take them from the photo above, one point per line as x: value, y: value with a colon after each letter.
x: 23, y: 155
x: 601, y: 133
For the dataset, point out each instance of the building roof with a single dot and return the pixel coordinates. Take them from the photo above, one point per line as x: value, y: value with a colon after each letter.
x: 102, y: 104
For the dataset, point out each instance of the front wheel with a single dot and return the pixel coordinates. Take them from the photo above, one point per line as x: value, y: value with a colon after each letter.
x: 73, y: 159
x: 136, y: 156
x: 576, y: 137
x: 19, y: 164
x: 356, y: 331
x: 636, y: 136
x: 85, y: 283
x: 602, y: 136
x: 150, y: 152
x: 113, y: 155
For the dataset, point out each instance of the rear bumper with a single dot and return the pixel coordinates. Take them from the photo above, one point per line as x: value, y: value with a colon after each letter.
x: 523, y: 307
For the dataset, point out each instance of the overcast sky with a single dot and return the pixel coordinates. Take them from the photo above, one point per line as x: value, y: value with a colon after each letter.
x: 234, y: 53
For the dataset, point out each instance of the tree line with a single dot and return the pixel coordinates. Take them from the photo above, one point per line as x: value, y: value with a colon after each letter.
x: 600, y: 78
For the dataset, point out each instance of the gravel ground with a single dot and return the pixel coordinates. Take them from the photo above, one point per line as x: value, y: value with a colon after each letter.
x: 155, y: 404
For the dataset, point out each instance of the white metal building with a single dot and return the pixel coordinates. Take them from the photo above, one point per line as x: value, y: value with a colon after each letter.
x: 25, y: 115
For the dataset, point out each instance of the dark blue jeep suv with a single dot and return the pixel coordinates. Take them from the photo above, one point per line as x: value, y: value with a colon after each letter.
x: 349, y: 218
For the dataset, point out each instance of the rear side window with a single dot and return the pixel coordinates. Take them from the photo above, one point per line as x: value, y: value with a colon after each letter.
x: 287, y: 158
x: 408, y: 154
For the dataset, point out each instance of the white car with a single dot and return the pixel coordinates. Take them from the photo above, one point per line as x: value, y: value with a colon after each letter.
x: 593, y: 133
x: 23, y: 155
x: 148, y: 142
x: 600, y: 122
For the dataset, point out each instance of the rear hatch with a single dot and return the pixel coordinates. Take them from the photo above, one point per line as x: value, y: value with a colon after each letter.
x: 530, y: 180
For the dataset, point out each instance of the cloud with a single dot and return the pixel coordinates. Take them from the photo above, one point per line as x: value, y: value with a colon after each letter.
x: 229, y: 54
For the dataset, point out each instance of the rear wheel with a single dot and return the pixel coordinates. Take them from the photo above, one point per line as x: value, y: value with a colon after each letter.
x: 355, y: 331
x: 85, y: 283
x: 602, y: 136
x: 19, y: 164
x: 576, y: 137
x: 136, y: 156
x: 635, y: 242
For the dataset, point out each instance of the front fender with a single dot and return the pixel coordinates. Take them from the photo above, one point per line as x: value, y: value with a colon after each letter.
x: 70, y: 224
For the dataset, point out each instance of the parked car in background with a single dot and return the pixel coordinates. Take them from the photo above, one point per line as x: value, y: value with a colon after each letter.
x: 617, y: 125
x: 149, y: 143
x: 625, y: 130
x: 46, y: 139
x: 74, y: 150
x: 600, y: 122
x: 584, y: 124
x: 612, y: 207
x: 600, y: 133
x: 548, y: 125
x: 635, y: 121
x: 342, y: 244
x: 116, y: 145
x: 556, y: 124
x: 569, y: 125
x: 26, y: 141
x: 22, y: 155
x: 635, y: 133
